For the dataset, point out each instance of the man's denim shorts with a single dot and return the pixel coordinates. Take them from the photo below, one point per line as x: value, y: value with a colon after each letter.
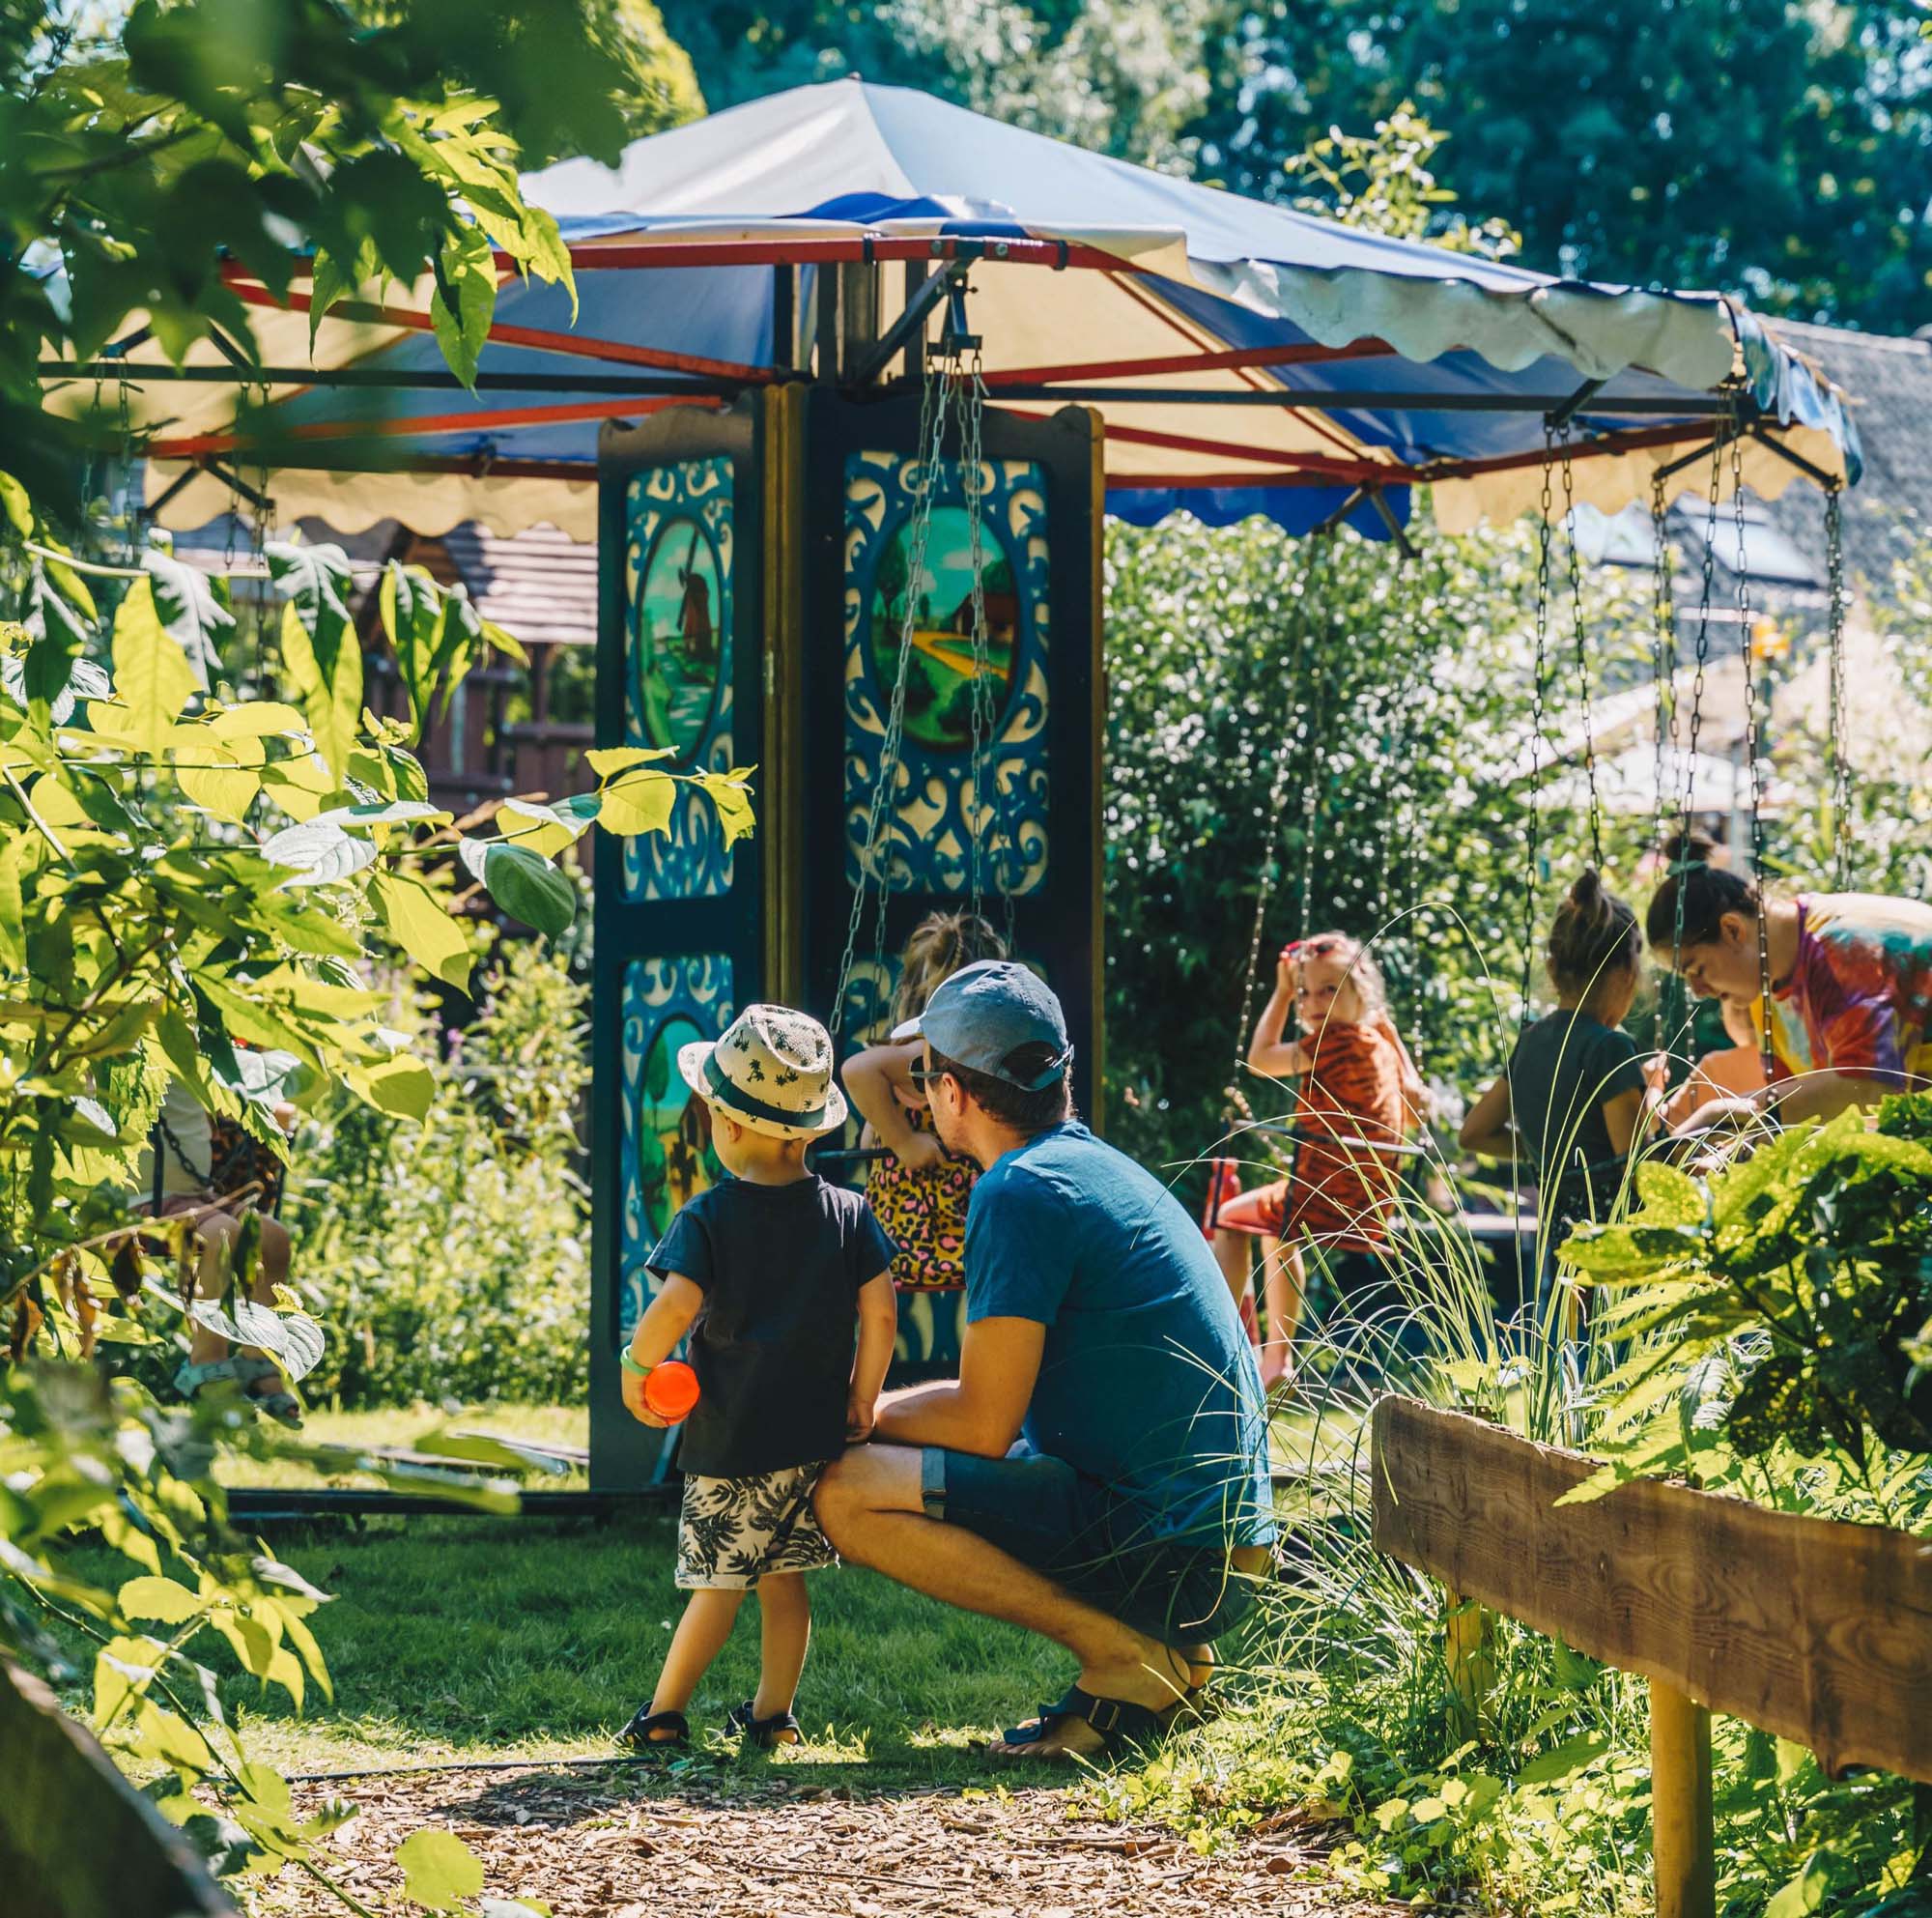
x: 1098, y: 1546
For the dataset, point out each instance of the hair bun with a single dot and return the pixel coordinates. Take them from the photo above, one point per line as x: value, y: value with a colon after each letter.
x: 1588, y: 891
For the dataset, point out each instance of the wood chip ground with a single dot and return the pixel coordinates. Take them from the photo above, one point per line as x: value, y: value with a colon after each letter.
x: 604, y: 1846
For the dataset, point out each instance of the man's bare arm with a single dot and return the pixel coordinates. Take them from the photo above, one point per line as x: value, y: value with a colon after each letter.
x: 999, y: 1364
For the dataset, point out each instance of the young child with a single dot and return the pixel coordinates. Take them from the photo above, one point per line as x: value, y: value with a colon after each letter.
x: 920, y: 1192
x: 1359, y: 1091
x: 1731, y: 1072
x: 1573, y: 1094
x: 767, y: 1272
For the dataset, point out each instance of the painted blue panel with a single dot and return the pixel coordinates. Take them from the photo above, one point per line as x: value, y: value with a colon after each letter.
x: 679, y: 657
x: 666, y: 1152
x: 931, y: 818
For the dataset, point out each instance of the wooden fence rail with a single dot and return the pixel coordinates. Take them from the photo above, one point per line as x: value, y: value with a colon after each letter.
x: 76, y: 1840
x: 1816, y: 1630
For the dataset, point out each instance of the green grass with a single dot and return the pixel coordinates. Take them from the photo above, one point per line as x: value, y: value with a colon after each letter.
x: 403, y: 1425
x: 491, y: 1637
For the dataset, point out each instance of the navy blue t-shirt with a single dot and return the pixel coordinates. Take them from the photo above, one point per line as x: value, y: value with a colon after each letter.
x: 780, y: 1268
x: 1565, y: 1069
x: 1147, y: 1382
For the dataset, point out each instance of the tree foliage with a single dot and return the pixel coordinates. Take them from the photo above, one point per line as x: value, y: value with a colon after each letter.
x: 1780, y: 149
x: 1774, y: 148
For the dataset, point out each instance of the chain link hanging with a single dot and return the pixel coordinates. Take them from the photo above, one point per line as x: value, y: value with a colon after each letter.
x: 1273, y: 859
x: 1682, y: 862
x: 1582, y: 647
x: 1663, y: 680
x: 874, y: 858
x: 1834, y: 630
x: 1748, y: 650
x: 1529, y: 874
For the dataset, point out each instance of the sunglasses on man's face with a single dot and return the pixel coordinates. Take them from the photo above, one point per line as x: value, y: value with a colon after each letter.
x: 925, y: 1076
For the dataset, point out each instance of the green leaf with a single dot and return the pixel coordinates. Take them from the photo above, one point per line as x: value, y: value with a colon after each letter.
x: 419, y: 925
x: 317, y: 852
x: 1805, y: 1892
x: 525, y: 885
x: 1565, y: 1761
x: 440, y: 1872
x: 188, y: 611
x: 162, y: 1598
x: 546, y: 830
x: 607, y: 760
x: 319, y: 645
x: 410, y: 605
x: 732, y: 797
x: 403, y: 1086
x: 637, y: 802
x: 151, y: 674
x: 464, y: 298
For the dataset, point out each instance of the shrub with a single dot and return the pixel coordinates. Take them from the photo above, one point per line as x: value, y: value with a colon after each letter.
x: 454, y: 1262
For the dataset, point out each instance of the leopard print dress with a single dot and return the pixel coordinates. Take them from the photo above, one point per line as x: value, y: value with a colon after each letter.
x: 924, y: 1212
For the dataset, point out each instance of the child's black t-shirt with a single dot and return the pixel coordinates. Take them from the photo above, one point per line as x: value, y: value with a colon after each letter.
x: 780, y: 1268
x: 1566, y: 1068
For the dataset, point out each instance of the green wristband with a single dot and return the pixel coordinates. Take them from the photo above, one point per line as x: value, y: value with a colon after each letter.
x: 631, y: 1365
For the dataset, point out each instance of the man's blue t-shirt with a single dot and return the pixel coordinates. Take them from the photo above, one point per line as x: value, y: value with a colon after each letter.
x: 1148, y: 1383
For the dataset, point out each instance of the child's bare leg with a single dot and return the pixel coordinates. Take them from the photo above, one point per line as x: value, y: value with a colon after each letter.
x: 701, y: 1635
x: 271, y: 1269
x: 214, y: 1236
x: 784, y: 1632
x: 1231, y: 1254
x: 1281, y: 1268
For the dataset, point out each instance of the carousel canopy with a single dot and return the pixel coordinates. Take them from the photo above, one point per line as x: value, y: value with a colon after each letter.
x: 1247, y: 359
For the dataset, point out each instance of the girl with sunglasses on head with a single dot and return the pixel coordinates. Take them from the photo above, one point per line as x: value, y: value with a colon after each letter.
x: 1357, y: 1094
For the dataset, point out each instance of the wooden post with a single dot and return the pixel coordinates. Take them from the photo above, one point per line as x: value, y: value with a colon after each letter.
x: 1680, y: 1805
x: 1465, y: 1652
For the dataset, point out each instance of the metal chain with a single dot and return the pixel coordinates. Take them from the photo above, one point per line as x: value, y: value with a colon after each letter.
x: 1664, y: 679
x: 1834, y: 629
x: 1752, y: 752
x: 1311, y: 791
x: 1265, y: 886
x: 972, y: 401
x: 1536, y: 722
x: 1583, y: 659
x: 931, y: 429
x: 1703, y: 654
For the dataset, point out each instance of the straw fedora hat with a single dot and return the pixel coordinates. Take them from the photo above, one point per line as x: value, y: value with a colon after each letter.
x: 771, y: 1071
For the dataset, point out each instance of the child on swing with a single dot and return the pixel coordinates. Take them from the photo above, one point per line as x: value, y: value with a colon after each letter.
x: 770, y: 1272
x: 920, y: 1192
x: 1359, y: 1091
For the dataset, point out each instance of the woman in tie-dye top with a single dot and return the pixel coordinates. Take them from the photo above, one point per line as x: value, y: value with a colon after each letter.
x: 1851, y: 984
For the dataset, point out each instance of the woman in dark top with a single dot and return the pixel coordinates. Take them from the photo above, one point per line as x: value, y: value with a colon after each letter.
x: 1573, y: 1094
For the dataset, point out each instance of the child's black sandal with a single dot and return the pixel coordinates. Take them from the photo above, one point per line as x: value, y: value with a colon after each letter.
x: 780, y: 1729
x: 656, y: 1732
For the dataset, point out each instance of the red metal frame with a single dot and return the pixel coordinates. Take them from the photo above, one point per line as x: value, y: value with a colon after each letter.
x: 618, y: 352
x: 407, y: 426
x: 1197, y: 362
x: 1359, y: 469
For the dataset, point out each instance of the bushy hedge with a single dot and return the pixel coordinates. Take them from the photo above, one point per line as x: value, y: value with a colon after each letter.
x: 453, y: 1261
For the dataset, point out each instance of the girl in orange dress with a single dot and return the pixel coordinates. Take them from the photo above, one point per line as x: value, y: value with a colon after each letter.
x: 1357, y: 1093
x: 919, y: 1193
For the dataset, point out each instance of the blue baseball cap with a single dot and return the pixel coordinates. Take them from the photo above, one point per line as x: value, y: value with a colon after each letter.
x: 985, y: 1013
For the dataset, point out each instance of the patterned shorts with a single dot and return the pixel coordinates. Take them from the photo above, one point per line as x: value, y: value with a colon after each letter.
x: 731, y: 1532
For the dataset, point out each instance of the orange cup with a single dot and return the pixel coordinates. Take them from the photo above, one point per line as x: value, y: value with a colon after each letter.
x: 672, y: 1391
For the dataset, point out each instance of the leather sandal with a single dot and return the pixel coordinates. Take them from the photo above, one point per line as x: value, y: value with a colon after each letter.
x: 1124, y: 1726
x: 780, y: 1729
x: 651, y: 1732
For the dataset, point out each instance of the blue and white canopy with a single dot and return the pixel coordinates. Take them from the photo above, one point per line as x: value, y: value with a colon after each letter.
x: 1246, y: 358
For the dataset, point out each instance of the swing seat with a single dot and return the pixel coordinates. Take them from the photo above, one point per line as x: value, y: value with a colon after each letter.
x: 1224, y: 1183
